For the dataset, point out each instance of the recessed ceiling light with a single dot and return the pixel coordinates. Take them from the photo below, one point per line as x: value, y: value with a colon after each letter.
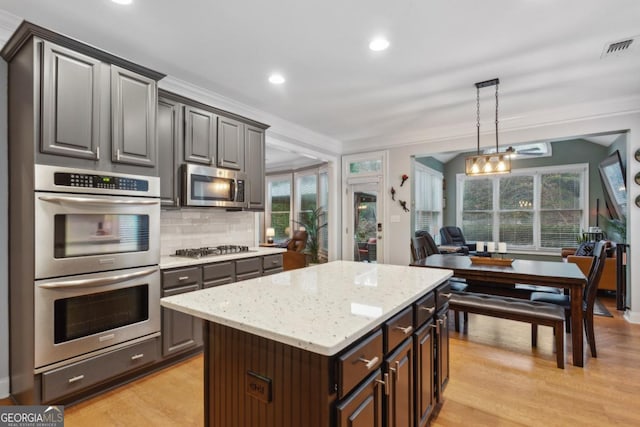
x: 125, y: 2
x: 379, y: 44
x: 276, y: 79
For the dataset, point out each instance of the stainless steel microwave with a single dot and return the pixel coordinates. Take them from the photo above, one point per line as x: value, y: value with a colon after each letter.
x: 209, y: 186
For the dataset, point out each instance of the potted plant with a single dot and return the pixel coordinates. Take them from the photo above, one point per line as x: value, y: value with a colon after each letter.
x: 312, y: 222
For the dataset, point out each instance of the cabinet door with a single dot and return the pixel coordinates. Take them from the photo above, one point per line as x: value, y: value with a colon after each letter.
x: 133, y: 118
x: 230, y: 143
x: 254, y: 166
x: 425, y: 374
x: 363, y: 407
x: 442, y: 354
x: 199, y: 135
x: 399, y: 403
x: 70, y: 103
x: 180, y: 331
x: 169, y: 141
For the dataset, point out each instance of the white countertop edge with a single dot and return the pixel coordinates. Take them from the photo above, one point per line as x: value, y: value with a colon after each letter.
x: 168, y: 261
x: 309, y: 346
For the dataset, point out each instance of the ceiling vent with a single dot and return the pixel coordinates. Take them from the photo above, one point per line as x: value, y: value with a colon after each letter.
x: 620, y: 47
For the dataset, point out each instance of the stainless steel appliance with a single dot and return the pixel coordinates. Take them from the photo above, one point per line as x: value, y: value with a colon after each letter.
x: 209, y: 186
x: 97, y: 240
x: 211, y: 251
x: 81, y: 314
x: 87, y: 222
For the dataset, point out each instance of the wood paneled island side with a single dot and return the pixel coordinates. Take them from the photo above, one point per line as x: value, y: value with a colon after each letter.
x: 315, y: 346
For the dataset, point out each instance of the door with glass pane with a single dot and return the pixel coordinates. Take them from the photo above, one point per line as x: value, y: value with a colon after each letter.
x: 364, y: 230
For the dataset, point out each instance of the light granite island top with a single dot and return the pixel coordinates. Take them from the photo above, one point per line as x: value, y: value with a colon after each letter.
x: 322, y: 309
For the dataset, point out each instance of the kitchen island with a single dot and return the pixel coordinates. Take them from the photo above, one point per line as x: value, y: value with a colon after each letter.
x: 290, y: 349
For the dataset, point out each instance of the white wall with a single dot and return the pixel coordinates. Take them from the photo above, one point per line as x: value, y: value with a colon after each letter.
x: 4, y: 270
x: 399, y: 233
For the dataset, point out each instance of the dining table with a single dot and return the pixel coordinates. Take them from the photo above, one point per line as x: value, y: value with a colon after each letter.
x: 563, y: 275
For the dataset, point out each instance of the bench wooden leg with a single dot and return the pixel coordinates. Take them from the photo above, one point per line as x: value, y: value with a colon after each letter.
x: 559, y: 335
x: 534, y: 335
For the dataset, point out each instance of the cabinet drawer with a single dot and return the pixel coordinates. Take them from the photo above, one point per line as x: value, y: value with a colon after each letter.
x: 271, y: 261
x: 358, y: 362
x: 273, y: 271
x: 443, y: 293
x: 181, y: 277
x: 217, y: 282
x: 219, y: 270
x: 398, y: 328
x: 249, y: 265
x: 247, y: 276
x: 81, y: 375
x: 424, y: 309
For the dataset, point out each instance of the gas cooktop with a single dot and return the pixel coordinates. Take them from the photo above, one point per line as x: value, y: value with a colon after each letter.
x: 211, y: 251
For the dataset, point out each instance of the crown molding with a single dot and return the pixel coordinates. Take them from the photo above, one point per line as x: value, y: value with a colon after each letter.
x: 280, y: 129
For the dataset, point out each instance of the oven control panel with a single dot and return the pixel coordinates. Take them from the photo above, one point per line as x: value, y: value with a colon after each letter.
x: 100, y: 181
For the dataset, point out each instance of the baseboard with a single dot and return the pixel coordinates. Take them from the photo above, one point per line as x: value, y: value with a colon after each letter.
x: 4, y: 387
x: 632, y: 316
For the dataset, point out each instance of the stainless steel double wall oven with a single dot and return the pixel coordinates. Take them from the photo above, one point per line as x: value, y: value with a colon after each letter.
x: 97, y: 240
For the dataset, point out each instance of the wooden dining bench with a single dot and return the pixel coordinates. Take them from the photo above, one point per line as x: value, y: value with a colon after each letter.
x: 537, y: 313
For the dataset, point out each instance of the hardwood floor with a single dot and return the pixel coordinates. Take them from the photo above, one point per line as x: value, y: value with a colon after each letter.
x: 496, y: 380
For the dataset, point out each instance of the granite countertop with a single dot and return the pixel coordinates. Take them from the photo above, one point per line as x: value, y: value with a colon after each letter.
x: 168, y: 261
x: 323, y: 308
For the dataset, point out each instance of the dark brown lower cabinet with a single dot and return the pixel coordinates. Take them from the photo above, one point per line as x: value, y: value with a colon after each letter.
x: 364, y: 406
x: 399, y: 400
x: 442, y: 352
x: 425, y: 373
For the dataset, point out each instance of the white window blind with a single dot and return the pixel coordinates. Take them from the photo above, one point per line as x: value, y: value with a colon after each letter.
x: 427, y: 199
x: 529, y: 209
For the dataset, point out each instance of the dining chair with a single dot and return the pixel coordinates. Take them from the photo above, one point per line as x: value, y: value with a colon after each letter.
x: 588, y: 300
x: 418, y: 248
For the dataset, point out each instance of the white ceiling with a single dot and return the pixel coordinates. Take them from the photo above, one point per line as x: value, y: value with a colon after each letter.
x: 545, y: 52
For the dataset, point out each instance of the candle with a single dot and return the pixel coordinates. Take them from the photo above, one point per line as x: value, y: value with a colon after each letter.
x: 491, y: 247
x: 502, y: 247
x: 480, y: 246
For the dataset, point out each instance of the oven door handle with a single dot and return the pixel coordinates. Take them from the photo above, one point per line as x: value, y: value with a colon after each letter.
x: 102, y: 281
x: 92, y: 201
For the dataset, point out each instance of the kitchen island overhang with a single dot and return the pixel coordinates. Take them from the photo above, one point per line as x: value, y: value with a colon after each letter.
x: 272, y: 342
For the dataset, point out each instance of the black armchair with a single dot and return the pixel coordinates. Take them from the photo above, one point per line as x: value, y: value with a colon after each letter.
x: 452, y: 236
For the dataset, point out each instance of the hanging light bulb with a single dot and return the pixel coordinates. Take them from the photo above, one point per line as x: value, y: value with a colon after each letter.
x: 501, y: 166
x: 475, y: 168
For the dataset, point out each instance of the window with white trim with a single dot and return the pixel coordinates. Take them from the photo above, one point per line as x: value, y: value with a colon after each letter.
x: 278, y: 211
x: 427, y: 197
x: 529, y: 209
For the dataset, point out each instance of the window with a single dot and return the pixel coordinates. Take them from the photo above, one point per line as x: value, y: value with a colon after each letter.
x: 279, y: 205
x: 528, y: 209
x: 306, y: 194
x: 427, y: 196
x: 323, y: 202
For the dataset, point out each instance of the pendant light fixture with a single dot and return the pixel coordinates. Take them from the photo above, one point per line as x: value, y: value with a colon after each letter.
x: 487, y: 164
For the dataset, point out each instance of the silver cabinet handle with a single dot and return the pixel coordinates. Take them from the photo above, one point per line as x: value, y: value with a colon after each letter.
x: 137, y: 356
x: 181, y: 278
x: 101, y: 281
x: 92, y: 201
x: 406, y: 330
x: 76, y: 378
x: 385, y: 384
x: 118, y: 155
x: 98, y: 153
x: 369, y: 363
x: 397, y: 371
x: 429, y: 309
x: 447, y: 296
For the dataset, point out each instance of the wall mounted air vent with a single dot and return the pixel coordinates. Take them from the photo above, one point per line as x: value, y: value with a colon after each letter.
x: 620, y: 47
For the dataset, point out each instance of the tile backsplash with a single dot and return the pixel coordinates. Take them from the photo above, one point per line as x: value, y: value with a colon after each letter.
x: 194, y: 228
